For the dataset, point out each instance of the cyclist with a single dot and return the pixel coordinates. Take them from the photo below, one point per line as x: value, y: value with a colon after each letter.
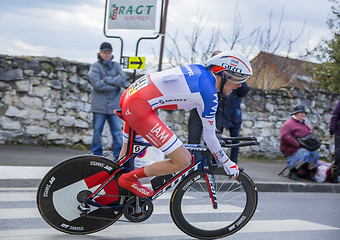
x: 186, y: 87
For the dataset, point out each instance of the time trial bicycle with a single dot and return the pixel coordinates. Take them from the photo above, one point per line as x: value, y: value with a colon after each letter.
x: 81, y: 195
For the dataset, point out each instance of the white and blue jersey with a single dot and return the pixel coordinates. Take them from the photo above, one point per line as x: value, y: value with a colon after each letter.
x: 186, y: 87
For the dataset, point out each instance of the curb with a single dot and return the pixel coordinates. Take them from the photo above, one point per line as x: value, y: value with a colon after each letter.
x: 298, y: 187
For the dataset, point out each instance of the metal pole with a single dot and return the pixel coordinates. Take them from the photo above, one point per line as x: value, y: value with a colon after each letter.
x: 121, y: 40
x: 163, y: 35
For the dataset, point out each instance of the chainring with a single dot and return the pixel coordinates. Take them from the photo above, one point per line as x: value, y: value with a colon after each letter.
x: 138, y: 209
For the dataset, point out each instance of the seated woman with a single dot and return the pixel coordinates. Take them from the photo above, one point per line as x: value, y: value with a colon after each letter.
x: 296, y: 155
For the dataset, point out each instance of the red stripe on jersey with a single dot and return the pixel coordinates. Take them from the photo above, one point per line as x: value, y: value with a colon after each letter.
x: 169, y: 107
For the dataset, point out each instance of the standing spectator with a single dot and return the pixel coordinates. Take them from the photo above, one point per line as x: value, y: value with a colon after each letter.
x: 296, y: 155
x: 194, y: 127
x: 334, y: 129
x: 229, y: 116
x: 107, y: 78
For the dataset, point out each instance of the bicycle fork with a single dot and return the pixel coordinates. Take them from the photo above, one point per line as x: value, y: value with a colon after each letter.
x: 211, y: 186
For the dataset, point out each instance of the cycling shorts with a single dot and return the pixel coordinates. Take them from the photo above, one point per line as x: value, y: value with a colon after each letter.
x: 139, y: 115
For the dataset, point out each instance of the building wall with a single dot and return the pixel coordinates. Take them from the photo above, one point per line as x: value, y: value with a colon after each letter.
x: 47, y: 101
x: 263, y: 76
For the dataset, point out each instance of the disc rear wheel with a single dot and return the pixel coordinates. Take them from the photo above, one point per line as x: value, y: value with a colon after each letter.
x: 62, y: 193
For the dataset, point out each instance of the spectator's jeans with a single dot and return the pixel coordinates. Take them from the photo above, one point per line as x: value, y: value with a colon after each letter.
x: 301, y: 156
x: 115, y: 125
x: 234, y: 132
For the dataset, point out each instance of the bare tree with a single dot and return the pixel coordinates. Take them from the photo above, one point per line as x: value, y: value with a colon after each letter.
x: 197, y: 48
x: 269, y: 40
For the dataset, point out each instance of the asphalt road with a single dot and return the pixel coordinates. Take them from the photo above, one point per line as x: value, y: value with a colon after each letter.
x: 281, y: 216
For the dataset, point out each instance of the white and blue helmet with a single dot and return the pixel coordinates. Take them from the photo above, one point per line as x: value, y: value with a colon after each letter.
x: 230, y: 65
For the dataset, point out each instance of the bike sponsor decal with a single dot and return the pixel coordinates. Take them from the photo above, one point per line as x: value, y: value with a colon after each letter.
x: 48, y: 186
x: 238, y: 223
x: 74, y: 228
x: 139, y: 84
x: 211, y: 184
x: 176, y: 180
x: 193, y: 149
x: 138, y: 148
x: 99, y: 164
x: 188, y: 184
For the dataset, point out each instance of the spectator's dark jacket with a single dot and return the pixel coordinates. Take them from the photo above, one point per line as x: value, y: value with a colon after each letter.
x: 105, y: 94
x: 289, y: 131
x: 229, y: 110
x: 335, y: 120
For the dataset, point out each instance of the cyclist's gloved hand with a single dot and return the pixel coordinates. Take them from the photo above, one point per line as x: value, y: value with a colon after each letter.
x: 231, y: 168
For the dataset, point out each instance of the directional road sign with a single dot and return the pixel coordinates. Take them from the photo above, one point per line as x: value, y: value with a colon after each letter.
x: 134, y: 62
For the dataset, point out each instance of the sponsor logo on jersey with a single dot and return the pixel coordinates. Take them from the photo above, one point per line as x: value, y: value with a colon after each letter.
x: 214, y: 107
x: 139, y: 84
x: 171, y: 100
x: 220, y: 153
x: 190, y: 72
x: 128, y: 112
x: 158, y: 135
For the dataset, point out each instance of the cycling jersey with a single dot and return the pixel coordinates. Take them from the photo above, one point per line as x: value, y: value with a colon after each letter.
x: 186, y: 87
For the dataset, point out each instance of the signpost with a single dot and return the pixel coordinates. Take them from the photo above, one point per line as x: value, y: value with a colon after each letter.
x: 133, y: 15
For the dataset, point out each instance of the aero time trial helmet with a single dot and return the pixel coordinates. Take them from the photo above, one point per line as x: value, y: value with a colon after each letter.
x: 230, y: 65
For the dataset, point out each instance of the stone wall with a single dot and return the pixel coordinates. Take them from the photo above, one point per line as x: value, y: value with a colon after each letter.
x: 47, y: 101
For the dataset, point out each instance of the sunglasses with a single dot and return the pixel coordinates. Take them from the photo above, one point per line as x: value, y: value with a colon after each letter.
x: 234, y: 77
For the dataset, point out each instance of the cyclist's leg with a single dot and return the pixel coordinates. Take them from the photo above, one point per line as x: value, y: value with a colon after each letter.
x: 140, y: 116
x: 131, y: 181
x: 178, y: 160
x: 175, y: 162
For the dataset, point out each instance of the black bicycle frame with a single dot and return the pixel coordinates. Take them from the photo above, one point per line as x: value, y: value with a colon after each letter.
x: 199, y: 162
x: 202, y: 159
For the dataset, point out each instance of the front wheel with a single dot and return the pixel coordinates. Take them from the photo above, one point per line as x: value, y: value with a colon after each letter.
x: 192, y: 211
x: 66, y: 186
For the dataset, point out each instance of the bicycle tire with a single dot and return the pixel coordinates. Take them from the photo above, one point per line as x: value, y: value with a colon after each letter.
x: 61, y: 188
x: 192, y: 211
